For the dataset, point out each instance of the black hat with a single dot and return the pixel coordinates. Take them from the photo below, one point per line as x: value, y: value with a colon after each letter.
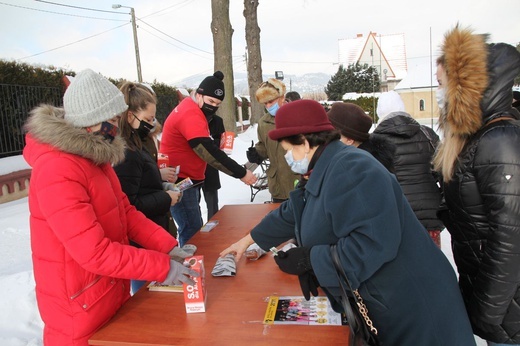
x: 213, y: 86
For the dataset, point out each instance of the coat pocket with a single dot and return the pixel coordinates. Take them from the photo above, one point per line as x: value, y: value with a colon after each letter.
x: 89, y: 295
x: 372, y: 296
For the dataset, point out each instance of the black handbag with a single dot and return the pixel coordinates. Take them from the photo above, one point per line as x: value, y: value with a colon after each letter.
x: 362, y: 330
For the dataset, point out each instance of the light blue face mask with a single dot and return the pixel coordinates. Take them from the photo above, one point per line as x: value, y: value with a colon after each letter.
x: 297, y: 166
x: 273, y: 109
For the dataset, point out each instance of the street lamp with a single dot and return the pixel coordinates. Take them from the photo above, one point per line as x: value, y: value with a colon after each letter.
x: 134, y: 27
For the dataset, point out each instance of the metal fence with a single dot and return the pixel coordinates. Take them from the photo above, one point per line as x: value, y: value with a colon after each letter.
x: 16, y: 101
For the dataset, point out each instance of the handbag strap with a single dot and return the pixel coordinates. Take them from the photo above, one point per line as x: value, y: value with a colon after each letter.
x: 343, y: 281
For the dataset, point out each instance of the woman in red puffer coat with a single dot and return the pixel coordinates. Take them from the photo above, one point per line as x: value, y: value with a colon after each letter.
x: 81, y: 221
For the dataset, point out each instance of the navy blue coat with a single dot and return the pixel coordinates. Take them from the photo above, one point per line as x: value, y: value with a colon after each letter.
x: 407, y: 283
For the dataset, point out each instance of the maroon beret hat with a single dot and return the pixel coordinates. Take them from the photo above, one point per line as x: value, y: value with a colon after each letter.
x: 300, y: 117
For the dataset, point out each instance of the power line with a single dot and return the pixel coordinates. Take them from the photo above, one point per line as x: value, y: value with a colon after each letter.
x: 81, y: 8
x: 97, y: 10
x: 63, y: 14
x: 167, y: 8
x: 70, y: 44
x: 173, y: 38
x: 204, y: 57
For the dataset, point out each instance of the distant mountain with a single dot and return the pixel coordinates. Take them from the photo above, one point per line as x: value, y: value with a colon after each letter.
x: 307, y: 83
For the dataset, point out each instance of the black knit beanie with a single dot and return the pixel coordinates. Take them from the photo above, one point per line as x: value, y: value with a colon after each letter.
x: 213, y: 86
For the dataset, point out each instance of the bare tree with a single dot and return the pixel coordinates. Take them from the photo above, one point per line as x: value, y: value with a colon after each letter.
x: 254, y: 57
x: 222, y: 47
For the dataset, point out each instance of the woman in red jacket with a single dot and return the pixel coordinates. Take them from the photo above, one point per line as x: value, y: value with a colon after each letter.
x: 81, y: 221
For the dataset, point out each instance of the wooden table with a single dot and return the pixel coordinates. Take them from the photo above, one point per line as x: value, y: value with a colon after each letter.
x: 235, y: 306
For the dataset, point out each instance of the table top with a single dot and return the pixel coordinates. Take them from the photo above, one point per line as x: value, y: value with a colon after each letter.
x: 235, y: 306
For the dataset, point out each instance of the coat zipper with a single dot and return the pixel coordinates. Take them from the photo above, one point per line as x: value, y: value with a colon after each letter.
x: 74, y: 296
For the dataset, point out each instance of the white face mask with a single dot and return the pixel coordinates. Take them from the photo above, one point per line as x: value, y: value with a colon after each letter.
x: 440, y: 95
x: 299, y: 166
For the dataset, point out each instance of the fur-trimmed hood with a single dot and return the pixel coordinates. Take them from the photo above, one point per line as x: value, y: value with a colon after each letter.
x: 46, y: 125
x: 480, y: 80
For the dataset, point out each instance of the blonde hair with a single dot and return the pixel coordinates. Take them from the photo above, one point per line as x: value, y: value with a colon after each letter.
x: 464, y: 60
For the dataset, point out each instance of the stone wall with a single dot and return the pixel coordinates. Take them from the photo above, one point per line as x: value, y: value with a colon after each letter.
x: 14, y: 185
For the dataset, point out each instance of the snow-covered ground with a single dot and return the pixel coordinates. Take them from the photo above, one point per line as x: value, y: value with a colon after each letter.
x: 20, y: 323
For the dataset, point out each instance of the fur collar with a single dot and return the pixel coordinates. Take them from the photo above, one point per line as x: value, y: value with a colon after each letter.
x: 480, y: 80
x: 47, y: 125
x: 466, y: 67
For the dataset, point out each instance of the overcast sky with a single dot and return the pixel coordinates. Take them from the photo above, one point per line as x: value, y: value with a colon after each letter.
x: 175, y: 41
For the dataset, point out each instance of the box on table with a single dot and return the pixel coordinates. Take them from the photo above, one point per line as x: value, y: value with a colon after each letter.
x: 195, y: 295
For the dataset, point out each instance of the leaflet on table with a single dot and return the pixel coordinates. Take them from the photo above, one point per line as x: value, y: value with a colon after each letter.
x: 209, y: 226
x: 296, y: 310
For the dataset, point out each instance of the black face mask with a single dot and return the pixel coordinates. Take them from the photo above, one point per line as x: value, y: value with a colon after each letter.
x: 108, y: 131
x: 208, y: 109
x: 144, y: 128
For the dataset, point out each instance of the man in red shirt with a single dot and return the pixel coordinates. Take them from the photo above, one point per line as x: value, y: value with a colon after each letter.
x: 187, y: 142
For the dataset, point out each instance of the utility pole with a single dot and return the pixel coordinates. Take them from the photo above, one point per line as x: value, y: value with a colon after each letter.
x: 136, y: 44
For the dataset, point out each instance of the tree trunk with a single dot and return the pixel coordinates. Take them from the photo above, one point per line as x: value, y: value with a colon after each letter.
x: 222, y: 47
x: 254, y: 57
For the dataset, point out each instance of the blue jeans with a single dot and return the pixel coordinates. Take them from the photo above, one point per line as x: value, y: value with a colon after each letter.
x: 187, y: 215
x: 136, y: 285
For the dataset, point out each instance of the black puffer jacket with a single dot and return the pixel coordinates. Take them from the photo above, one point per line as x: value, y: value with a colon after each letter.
x: 412, y: 164
x: 483, y: 195
x: 381, y: 149
x: 141, y: 180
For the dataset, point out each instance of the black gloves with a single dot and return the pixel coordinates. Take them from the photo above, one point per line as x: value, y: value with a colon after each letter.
x: 297, y: 261
x: 309, y: 284
x: 253, y: 156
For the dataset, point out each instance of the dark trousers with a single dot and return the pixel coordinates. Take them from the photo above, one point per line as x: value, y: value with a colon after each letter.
x: 211, y: 197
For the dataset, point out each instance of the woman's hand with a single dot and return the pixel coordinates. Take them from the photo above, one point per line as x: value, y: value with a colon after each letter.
x: 238, y: 248
x: 168, y: 174
x: 175, y: 196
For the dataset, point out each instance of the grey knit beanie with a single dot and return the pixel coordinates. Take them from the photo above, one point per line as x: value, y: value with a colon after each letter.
x: 91, y: 99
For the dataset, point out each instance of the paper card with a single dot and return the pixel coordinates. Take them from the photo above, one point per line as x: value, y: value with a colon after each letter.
x: 209, y: 226
x: 184, y: 184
